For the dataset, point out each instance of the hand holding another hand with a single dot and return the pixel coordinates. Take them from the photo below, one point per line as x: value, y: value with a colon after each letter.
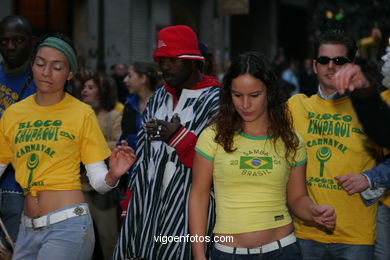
x: 324, y: 215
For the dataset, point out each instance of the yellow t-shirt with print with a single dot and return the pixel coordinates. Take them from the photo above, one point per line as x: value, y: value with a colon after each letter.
x: 336, y: 145
x: 249, y: 183
x: 46, y: 144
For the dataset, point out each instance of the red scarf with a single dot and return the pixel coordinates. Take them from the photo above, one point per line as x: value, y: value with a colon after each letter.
x: 207, y: 81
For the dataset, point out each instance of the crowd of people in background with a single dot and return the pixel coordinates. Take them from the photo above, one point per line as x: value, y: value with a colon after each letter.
x: 287, y: 157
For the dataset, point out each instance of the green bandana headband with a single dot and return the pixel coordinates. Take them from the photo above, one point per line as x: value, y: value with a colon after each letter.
x: 63, y: 47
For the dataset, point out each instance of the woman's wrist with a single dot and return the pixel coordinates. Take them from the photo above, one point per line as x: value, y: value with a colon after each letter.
x: 111, y: 179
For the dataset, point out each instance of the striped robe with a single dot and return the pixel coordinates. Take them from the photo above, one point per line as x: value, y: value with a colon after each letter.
x: 161, y: 183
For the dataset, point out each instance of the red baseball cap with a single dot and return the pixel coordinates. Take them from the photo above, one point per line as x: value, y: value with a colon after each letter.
x: 177, y: 41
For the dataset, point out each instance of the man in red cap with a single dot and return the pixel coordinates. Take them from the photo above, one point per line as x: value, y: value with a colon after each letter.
x: 156, y: 224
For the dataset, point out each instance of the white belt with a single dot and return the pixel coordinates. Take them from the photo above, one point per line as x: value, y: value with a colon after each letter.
x: 53, y: 218
x: 288, y: 240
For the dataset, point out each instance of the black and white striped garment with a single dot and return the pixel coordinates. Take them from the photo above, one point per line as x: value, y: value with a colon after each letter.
x: 161, y: 183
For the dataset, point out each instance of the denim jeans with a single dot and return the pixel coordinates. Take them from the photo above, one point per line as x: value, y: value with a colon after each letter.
x: 382, y: 243
x: 11, y: 210
x: 72, y: 238
x: 312, y: 250
x: 290, y: 252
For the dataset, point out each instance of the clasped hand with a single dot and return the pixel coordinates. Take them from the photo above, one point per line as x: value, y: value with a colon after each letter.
x: 324, y: 215
x: 160, y: 130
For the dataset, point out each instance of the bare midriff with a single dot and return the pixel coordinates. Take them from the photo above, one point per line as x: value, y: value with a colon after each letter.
x: 256, y: 238
x: 49, y: 200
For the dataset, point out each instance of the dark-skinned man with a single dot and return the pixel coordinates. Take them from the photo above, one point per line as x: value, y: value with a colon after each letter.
x: 15, y: 48
x: 174, y: 117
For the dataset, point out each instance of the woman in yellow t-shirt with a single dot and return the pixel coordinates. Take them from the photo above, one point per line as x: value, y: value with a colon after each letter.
x: 45, y: 137
x: 256, y: 164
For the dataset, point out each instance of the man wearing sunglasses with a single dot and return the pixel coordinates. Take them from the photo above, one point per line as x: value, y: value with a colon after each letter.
x: 336, y: 145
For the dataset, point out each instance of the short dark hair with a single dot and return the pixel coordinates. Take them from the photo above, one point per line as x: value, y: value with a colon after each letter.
x: 18, y: 19
x: 336, y: 36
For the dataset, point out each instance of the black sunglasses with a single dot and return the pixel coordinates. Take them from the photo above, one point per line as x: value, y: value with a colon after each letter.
x: 337, y: 60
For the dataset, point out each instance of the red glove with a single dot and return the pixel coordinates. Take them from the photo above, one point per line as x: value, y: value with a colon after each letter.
x: 125, y: 203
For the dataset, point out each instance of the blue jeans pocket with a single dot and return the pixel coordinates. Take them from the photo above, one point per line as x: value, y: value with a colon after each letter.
x: 73, y: 236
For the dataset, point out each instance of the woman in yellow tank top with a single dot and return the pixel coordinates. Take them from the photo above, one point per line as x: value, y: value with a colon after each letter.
x: 256, y: 164
x: 45, y: 137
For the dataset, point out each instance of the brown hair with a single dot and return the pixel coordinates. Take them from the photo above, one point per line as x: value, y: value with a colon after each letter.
x: 151, y: 71
x: 228, y: 121
x: 107, y: 91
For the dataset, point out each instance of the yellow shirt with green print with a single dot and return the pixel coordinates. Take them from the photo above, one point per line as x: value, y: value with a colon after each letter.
x: 249, y: 183
x: 45, y: 144
x: 336, y: 145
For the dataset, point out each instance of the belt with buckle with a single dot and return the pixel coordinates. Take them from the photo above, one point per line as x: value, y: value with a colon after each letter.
x: 53, y: 218
x: 288, y: 240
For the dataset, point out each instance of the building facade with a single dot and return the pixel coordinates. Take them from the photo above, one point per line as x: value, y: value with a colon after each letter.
x: 107, y: 32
